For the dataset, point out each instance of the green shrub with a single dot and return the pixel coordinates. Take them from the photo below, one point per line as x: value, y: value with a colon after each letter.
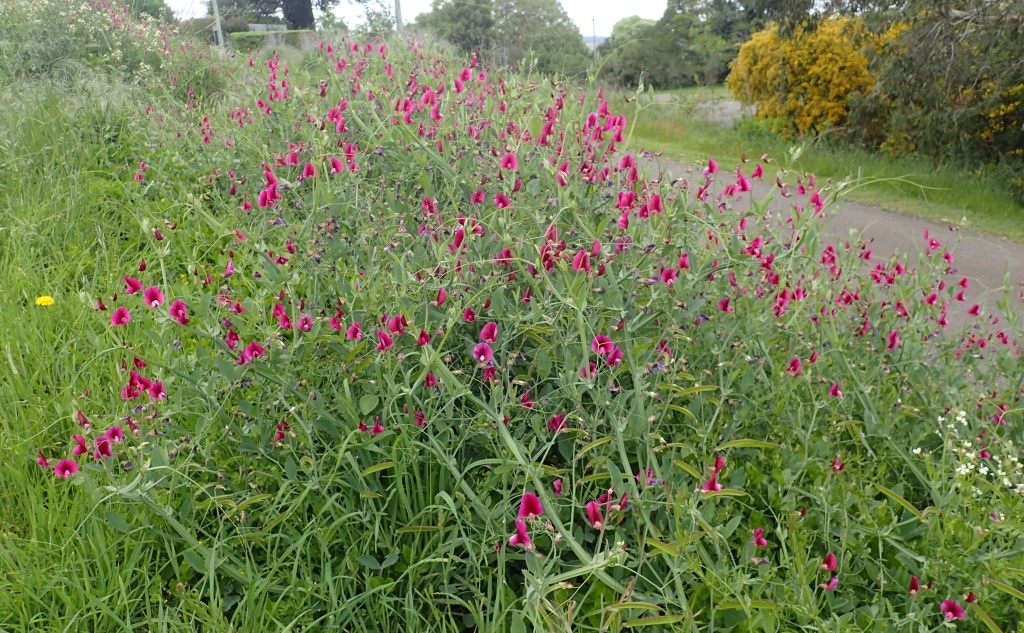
x: 253, y: 40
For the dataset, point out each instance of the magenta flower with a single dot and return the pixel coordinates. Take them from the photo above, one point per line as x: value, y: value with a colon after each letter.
x: 530, y: 506
x: 668, y: 276
x: 469, y: 316
x: 508, y: 161
x: 830, y: 585
x: 420, y: 418
x: 179, y: 312
x: 114, y: 434
x: 834, y: 391
x: 101, y: 446
x: 712, y: 166
x: 377, y: 427
x: 385, y: 341
x: 501, y: 200
x: 521, y: 537
x: 712, y: 485
x: 354, y: 332
x: 337, y: 166
x: 442, y: 296
x: 829, y: 563
x: 759, y: 540
x: 594, y: 515
x: 557, y: 423
x: 156, y: 390
x: 952, y: 610
x: 482, y: 353
x: 581, y: 262
x: 489, y: 333
x: 229, y: 269
x: 309, y: 171
x: 120, y: 316
x: 80, y: 448
x: 615, y: 357
x: 42, y: 461
x: 914, y: 586
x: 602, y: 344
x: 893, y: 340
x: 65, y: 468
x: 795, y: 367
x: 152, y: 296
x: 557, y: 485
x: 724, y: 306
x: 132, y: 285
x: 477, y: 197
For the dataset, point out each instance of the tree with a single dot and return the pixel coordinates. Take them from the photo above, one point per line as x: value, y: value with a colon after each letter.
x: 467, y: 25
x: 157, y: 9
x: 628, y: 52
x: 541, y: 29
x: 298, y: 13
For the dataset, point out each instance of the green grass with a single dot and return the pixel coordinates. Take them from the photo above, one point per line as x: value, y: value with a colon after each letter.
x: 944, y: 193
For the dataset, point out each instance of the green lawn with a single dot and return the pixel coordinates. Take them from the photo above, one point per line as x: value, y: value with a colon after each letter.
x: 906, y: 185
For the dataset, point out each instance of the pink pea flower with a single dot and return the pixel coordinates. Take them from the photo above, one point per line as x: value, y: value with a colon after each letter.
x: 442, y: 296
x: 834, y: 391
x: 468, y: 315
x: 557, y: 485
x: 830, y: 585
x: 712, y: 166
x: 557, y: 423
x: 114, y: 434
x: 156, y: 390
x: 759, y: 540
x: 521, y: 537
x: 508, y: 161
x: 305, y: 322
x: 530, y: 506
x: 684, y: 260
x: 354, y: 332
x: 668, y: 276
x: 132, y: 285
x: 501, y: 200
x: 80, y: 448
x: 795, y: 367
x: 42, y: 461
x: 581, y: 262
x: 179, y: 312
x: 65, y: 468
x: 829, y: 563
x: 489, y: 333
x: 973, y: 311
x: 420, y: 418
x: 385, y: 341
x: 615, y: 356
x: 120, y: 316
x: 377, y: 427
x: 952, y: 610
x: 482, y: 353
x: 914, y: 586
x: 893, y: 340
x: 602, y: 344
x: 724, y: 306
x: 423, y: 338
x: 712, y: 485
x: 152, y: 296
x: 101, y: 446
x: 309, y: 171
x: 229, y: 269
x: 594, y: 515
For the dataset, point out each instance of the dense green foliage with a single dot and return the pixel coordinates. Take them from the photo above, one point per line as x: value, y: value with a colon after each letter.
x: 309, y: 349
x: 507, y: 32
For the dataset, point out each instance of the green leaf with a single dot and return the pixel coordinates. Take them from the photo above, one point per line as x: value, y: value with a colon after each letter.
x: 1008, y: 589
x: 633, y: 605
x: 368, y: 403
x: 900, y: 500
x: 196, y: 561
x: 368, y: 561
x: 986, y: 618
x: 377, y: 467
x: 745, y: 443
x: 653, y: 621
x: 688, y: 469
x: 117, y: 522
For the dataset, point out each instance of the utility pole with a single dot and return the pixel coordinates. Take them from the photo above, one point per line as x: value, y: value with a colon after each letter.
x: 398, y: 16
x: 593, y: 41
x: 216, y: 24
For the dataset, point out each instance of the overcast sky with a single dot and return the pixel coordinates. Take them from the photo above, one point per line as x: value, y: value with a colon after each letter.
x: 604, y: 13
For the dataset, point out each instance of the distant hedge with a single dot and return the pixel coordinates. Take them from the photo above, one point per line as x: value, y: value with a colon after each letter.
x: 252, y: 40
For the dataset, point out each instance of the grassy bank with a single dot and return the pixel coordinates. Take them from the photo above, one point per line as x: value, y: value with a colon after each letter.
x: 680, y: 127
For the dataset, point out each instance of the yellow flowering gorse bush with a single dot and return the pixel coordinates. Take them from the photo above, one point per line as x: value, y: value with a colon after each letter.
x: 804, y: 78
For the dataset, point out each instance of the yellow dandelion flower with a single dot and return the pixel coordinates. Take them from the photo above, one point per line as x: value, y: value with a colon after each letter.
x: 45, y: 300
